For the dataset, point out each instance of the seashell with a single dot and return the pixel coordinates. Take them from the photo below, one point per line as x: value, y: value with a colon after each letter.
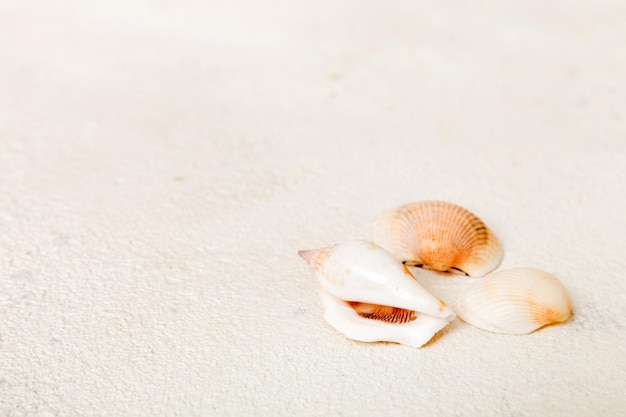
x: 370, y: 296
x: 439, y: 235
x: 515, y: 301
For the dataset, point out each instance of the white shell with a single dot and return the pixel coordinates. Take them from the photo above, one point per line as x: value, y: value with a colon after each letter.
x: 515, y: 301
x: 370, y: 296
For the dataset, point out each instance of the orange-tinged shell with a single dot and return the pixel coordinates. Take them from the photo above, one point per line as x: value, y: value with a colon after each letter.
x: 515, y: 301
x: 439, y: 235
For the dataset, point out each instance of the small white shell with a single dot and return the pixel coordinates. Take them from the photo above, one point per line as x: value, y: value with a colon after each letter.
x: 439, y: 235
x: 370, y: 296
x: 515, y: 301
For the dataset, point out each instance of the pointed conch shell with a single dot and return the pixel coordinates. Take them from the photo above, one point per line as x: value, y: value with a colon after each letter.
x: 439, y: 235
x: 370, y: 296
x: 515, y: 301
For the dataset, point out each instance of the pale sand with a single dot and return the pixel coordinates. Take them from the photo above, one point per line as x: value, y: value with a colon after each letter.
x: 161, y: 165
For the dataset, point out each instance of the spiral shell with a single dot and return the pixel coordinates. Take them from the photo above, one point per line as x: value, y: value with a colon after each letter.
x: 370, y: 296
x: 515, y: 301
x: 439, y: 235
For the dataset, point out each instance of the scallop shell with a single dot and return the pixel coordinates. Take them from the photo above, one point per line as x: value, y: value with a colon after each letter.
x: 515, y: 301
x: 370, y: 296
x: 439, y: 235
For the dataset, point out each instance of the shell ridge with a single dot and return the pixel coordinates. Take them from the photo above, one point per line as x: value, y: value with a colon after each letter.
x: 441, y: 236
x: 515, y: 301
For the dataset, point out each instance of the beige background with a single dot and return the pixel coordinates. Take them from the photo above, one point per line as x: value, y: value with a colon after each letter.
x: 162, y: 162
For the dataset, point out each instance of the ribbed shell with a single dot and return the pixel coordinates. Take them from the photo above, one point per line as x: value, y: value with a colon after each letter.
x: 515, y: 301
x: 439, y: 235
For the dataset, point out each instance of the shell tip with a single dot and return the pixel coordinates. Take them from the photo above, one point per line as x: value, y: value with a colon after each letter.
x: 307, y: 254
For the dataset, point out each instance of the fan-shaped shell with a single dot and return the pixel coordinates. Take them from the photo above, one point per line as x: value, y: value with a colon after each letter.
x: 368, y: 295
x: 439, y: 235
x: 515, y: 301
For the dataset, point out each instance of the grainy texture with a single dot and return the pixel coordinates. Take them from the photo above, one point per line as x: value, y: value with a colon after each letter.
x: 161, y: 163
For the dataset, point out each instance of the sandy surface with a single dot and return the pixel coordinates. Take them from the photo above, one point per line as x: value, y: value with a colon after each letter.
x: 161, y: 163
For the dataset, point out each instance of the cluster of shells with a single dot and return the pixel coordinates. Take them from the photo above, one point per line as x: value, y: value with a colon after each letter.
x: 369, y: 294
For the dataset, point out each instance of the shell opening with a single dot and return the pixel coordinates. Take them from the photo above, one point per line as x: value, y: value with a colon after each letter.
x: 436, y: 267
x: 459, y: 270
x: 387, y: 314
